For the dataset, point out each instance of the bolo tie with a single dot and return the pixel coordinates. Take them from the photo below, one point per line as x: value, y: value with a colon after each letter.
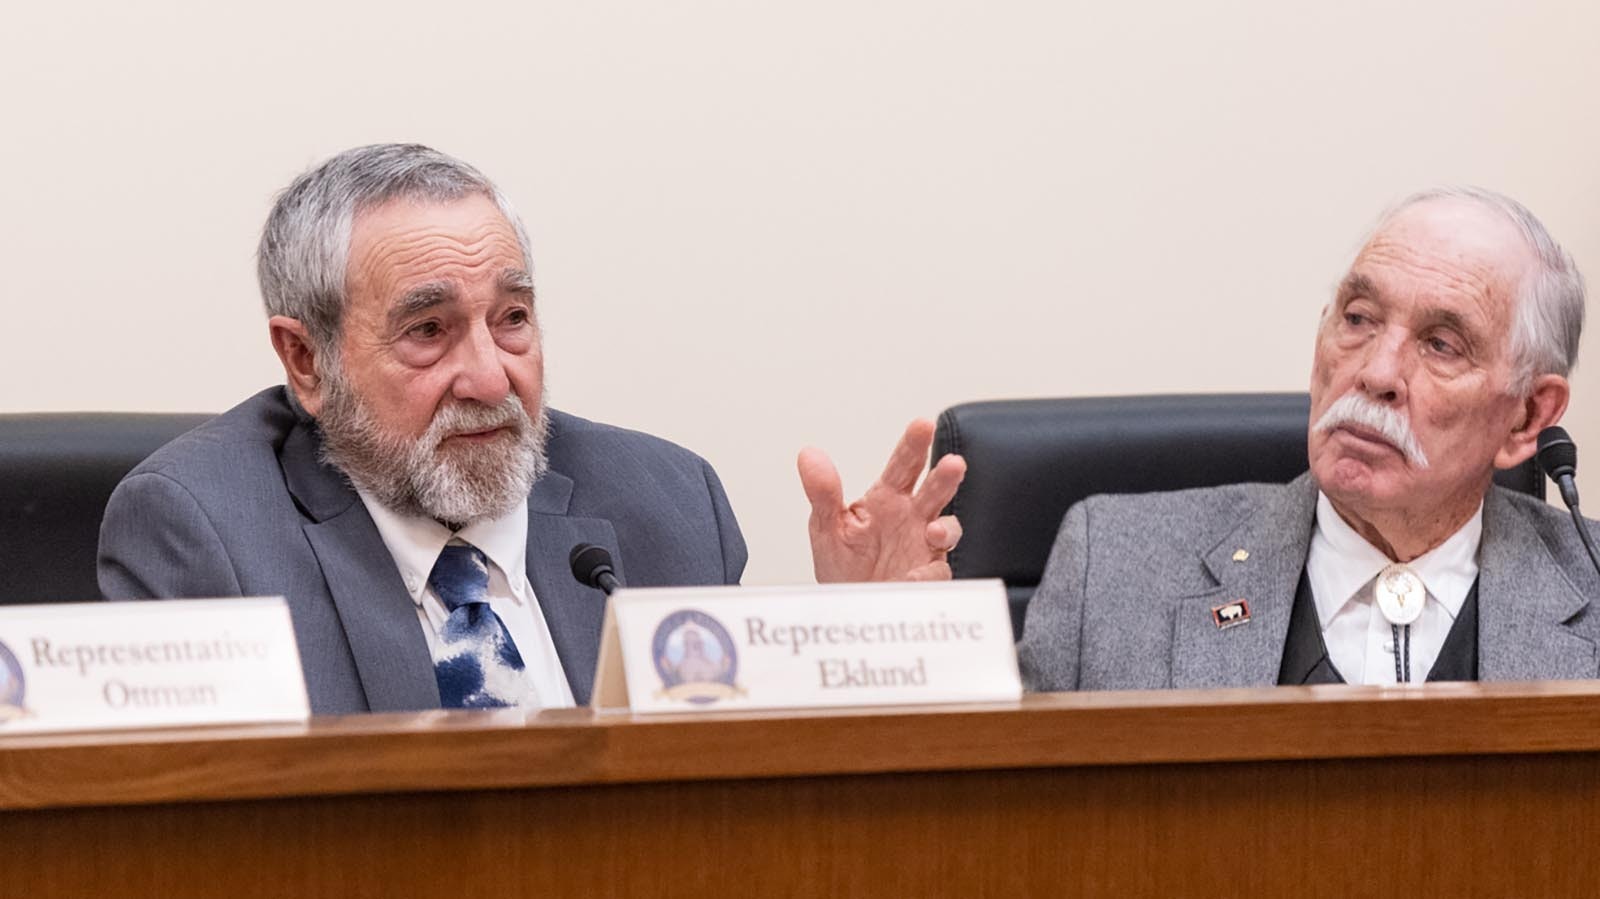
x: 1401, y: 596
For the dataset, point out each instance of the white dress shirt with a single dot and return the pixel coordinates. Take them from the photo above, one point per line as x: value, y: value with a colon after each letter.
x: 415, y: 542
x: 1341, y: 566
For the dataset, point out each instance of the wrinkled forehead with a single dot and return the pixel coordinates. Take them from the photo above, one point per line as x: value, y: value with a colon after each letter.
x: 1447, y: 251
x: 459, y: 217
x: 404, y: 240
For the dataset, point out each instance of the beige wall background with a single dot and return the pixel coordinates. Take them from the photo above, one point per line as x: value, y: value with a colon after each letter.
x: 761, y: 225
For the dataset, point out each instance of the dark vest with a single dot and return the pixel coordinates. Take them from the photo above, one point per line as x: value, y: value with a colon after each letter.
x: 1305, y: 656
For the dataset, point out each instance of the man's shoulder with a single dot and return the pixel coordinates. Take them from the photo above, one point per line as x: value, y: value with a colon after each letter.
x: 577, y: 444
x: 1156, y: 537
x: 1552, y: 524
x: 1534, y: 508
x: 214, y: 452
x: 671, y: 514
x: 1179, y: 513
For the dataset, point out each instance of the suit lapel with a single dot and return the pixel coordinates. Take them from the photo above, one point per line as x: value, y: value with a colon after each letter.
x: 1273, y: 543
x: 573, y: 612
x: 379, y: 618
x: 1525, y: 598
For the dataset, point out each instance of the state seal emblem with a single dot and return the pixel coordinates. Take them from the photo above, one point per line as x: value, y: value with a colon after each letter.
x: 695, y: 658
x: 12, y: 685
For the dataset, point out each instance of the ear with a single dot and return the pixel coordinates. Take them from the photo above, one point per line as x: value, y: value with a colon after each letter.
x: 292, y: 342
x: 1542, y: 408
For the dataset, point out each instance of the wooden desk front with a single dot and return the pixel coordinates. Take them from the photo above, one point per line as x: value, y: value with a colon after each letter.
x: 1336, y: 791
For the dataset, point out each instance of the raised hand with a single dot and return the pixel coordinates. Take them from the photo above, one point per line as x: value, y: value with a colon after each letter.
x: 894, y: 532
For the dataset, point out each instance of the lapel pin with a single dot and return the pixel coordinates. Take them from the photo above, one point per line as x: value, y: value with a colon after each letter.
x: 1231, y: 614
x: 1239, y: 555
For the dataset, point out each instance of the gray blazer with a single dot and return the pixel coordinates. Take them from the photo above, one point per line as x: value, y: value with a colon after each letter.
x: 242, y: 506
x: 1126, y: 600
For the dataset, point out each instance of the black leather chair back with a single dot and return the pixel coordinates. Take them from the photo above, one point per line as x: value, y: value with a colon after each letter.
x: 1028, y: 461
x: 56, y: 472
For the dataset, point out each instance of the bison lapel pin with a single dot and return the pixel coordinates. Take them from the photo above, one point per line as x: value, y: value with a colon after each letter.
x: 1231, y: 614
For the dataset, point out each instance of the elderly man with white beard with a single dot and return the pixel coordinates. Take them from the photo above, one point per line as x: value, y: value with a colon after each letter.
x: 1444, y: 353
x: 409, y: 492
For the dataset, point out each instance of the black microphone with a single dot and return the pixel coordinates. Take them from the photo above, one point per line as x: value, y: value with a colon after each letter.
x: 591, y: 565
x: 1558, y: 456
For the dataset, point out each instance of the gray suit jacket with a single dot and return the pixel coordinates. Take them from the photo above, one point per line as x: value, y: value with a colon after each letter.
x: 241, y: 506
x: 1125, y: 602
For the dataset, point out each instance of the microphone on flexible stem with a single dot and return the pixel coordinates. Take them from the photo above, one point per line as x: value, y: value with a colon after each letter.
x: 591, y: 565
x: 1558, y: 456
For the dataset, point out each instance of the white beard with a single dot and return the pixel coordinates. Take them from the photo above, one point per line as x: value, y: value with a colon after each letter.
x: 421, y: 476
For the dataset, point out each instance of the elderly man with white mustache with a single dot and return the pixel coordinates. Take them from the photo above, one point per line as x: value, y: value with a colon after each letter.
x: 1395, y: 559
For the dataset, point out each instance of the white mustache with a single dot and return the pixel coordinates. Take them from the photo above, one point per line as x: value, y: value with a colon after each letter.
x: 472, y: 417
x: 1356, y: 409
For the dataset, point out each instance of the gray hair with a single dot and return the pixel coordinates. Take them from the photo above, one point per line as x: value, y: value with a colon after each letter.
x: 1548, y: 319
x: 305, y: 246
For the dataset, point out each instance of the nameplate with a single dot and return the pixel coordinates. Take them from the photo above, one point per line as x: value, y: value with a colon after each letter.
x: 696, y: 649
x: 91, y: 666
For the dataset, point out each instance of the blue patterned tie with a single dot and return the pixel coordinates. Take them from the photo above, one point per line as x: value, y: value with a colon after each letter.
x: 476, y: 663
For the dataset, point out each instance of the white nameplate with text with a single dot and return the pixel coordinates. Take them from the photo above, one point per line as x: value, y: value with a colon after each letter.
x: 697, y: 649
x: 91, y: 666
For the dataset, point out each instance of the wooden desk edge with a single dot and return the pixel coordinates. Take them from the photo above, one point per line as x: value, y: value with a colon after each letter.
x: 466, y: 750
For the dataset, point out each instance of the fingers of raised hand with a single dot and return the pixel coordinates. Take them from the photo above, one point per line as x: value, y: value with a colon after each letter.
x: 820, y: 478
x: 944, y: 533
x: 939, y: 487
x: 905, y: 463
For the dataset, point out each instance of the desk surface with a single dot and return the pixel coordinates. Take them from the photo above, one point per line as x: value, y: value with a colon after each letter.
x: 1320, y: 791
x: 503, y: 750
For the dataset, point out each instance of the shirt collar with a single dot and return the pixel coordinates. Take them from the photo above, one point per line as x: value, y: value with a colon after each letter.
x: 415, y: 541
x: 1345, y: 562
